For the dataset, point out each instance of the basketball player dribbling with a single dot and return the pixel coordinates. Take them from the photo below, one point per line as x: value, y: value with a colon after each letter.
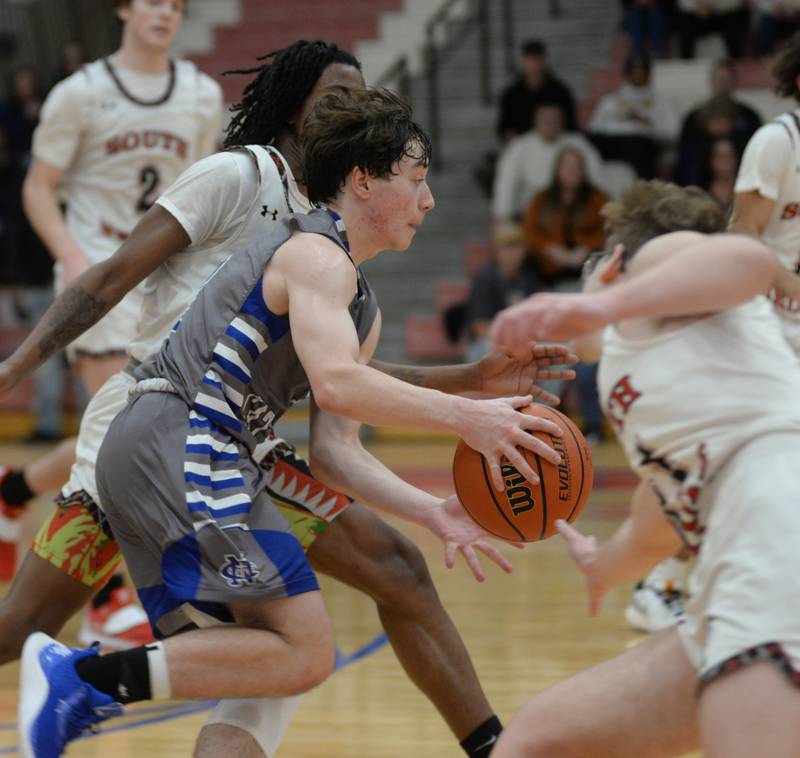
x: 219, y: 206
x: 290, y: 313
x: 113, y: 136
x: 702, y: 390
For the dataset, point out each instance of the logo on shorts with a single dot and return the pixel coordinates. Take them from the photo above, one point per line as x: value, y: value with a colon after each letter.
x: 238, y: 571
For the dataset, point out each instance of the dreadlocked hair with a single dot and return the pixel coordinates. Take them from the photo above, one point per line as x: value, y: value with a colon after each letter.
x: 785, y: 68
x: 281, y: 85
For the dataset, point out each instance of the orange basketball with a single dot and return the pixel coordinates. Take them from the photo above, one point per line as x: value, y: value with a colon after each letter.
x: 527, y: 512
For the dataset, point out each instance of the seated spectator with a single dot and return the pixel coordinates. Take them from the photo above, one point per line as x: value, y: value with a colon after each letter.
x: 719, y: 169
x: 723, y: 87
x: 774, y: 21
x: 505, y: 280
x: 716, y: 119
x: 526, y: 164
x: 73, y: 56
x: 699, y: 18
x: 563, y: 223
x: 534, y: 85
x: 646, y: 22
x: 631, y: 123
x: 562, y: 226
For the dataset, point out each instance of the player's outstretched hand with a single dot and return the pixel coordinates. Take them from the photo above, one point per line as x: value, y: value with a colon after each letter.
x: 584, y: 551
x: 453, y: 526
x: 550, y: 316
x: 497, y: 430
x: 502, y: 373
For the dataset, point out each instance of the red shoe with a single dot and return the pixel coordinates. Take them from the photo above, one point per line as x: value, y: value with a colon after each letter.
x: 10, y: 531
x: 119, y: 624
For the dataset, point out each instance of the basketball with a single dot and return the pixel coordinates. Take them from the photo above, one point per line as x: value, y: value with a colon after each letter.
x: 526, y: 512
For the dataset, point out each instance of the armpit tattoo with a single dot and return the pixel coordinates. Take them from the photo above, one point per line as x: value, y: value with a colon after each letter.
x: 69, y: 318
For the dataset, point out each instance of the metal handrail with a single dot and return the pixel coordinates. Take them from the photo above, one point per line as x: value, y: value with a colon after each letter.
x: 435, y: 48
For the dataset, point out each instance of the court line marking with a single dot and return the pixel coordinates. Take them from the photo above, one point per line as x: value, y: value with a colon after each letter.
x: 159, y: 713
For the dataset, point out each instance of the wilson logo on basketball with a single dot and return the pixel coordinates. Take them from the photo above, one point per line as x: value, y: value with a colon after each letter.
x: 520, y: 497
x: 563, y: 467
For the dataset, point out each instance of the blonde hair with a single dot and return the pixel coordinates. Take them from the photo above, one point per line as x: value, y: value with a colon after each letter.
x: 650, y: 209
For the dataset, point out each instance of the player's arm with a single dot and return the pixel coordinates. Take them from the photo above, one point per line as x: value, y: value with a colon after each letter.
x: 65, y: 115
x: 676, y: 275
x: 315, y: 281
x: 40, y: 201
x: 202, y: 201
x: 751, y: 213
x: 340, y: 460
x: 81, y: 305
x: 497, y: 374
x: 641, y: 542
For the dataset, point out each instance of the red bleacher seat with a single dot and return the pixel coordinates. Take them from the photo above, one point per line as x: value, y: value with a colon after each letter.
x: 268, y: 26
x: 427, y: 342
x: 450, y: 292
x: 476, y: 253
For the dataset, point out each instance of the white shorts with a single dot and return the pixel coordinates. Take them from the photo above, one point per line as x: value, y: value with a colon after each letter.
x: 744, y: 591
x: 114, y: 332
x: 109, y: 400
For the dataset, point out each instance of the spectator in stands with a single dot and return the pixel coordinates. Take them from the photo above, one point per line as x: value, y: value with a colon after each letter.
x: 723, y: 86
x: 699, y: 18
x: 26, y: 263
x: 526, y: 164
x: 775, y: 20
x: 562, y: 226
x: 646, y: 23
x: 632, y: 123
x: 719, y: 116
x: 563, y: 223
x: 73, y: 56
x: 534, y: 85
x: 719, y: 169
x: 505, y: 280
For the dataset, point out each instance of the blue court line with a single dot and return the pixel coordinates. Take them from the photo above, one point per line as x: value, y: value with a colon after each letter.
x: 159, y: 713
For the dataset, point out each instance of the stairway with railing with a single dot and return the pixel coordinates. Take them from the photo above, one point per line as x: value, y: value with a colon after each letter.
x: 466, y: 62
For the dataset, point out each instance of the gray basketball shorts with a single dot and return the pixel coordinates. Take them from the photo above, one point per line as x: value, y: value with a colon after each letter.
x: 186, y: 503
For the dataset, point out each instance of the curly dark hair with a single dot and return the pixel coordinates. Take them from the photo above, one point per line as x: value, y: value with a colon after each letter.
x: 650, y: 209
x: 372, y: 130
x: 282, y: 84
x: 785, y: 68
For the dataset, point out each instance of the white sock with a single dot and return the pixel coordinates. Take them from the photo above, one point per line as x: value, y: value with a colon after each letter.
x: 160, y: 687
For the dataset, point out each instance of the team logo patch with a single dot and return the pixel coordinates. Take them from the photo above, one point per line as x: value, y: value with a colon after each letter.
x: 238, y: 571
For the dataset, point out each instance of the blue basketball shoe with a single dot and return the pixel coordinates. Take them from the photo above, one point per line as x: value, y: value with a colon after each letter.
x: 55, y: 705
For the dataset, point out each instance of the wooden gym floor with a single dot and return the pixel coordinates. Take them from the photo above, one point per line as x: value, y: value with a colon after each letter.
x: 524, y: 632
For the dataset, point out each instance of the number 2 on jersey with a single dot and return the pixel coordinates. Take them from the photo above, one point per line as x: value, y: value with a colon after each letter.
x: 148, y: 178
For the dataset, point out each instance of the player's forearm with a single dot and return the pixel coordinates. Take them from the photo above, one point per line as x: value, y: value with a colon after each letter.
x: 78, y: 307
x: 41, y: 207
x: 350, y: 469
x: 626, y: 557
x: 727, y: 271
x: 452, y: 380
x: 361, y: 393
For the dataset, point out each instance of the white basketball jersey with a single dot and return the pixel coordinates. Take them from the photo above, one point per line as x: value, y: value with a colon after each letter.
x: 253, y: 189
x: 684, y: 401
x: 122, y: 137
x: 771, y: 166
